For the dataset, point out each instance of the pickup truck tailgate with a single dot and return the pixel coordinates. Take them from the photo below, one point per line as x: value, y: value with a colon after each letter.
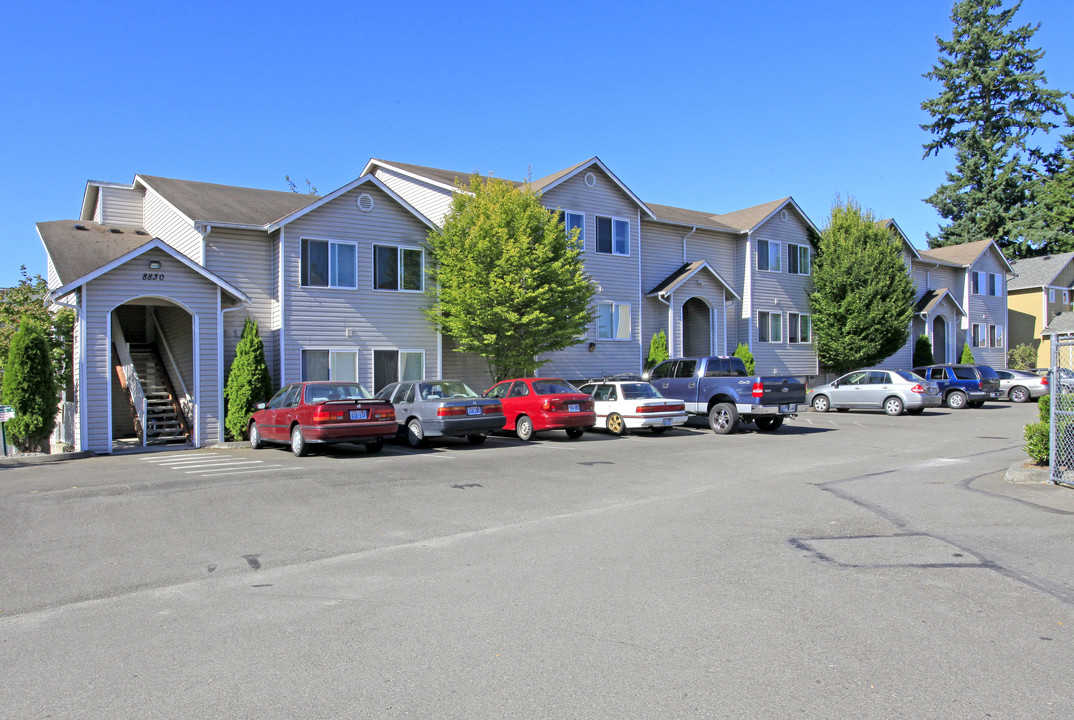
x: 782, y: 390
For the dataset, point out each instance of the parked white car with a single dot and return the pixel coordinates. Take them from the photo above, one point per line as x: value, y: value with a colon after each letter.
x: 1021, y: 385
x: 623, y: 406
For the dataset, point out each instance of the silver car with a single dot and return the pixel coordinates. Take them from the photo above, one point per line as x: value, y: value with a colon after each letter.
x: 435, y: 408
x: 1021, y: 386
x: 877, y: 389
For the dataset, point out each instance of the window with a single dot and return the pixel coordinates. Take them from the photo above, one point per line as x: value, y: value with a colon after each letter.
x: 663, y: 370
x: 575, y: 221
x: 982, y: 283
x: 799, y: 328
x: 1066, y: 297
x: 613, y: 321
x: 987, y: 335
x: 798, y: 259
x: 329, y: 264
x: 330, y: 365
x: 993, y: 284
x: 686, y: 369
x: 396, y: 365
x: 1051, y: 295
x: 995, y: 336
x: 769, y: 327
x: 768, y: 257
x: 398, y: 268
x: 613, y: 236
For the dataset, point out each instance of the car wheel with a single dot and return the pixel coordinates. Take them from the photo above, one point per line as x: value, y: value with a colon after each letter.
x: 768, y: 424
x: 956, y: 400
x: 374, y: 446
x: 255, y: 437
x: 1018, y: 394
x: 415, y: 433
x: 575, y: 433
x: 477, y: 439
x: 660, y: 430
x: 616, y: 424
x: 524, y: 428
x: 915, y: 411
x: 821, y: 403
x: 723, y: 418
x: 298, y: 443
x: 893, y: 406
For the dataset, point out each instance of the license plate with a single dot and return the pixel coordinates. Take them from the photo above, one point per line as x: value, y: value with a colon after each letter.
x: 573, y: 407
x: 667, y: 421
x: 359, y: 414
x: 788, y: 408
x: 475, y: 410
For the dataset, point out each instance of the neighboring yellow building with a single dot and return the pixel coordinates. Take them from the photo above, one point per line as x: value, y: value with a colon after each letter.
x: 1041, y: 291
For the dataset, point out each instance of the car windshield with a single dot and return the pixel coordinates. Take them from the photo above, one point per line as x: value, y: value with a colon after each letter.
x: 553, y: 387
x: 912, y: 377
x: 445, y: 389
x: 322, y: 392
x: 639, y: 391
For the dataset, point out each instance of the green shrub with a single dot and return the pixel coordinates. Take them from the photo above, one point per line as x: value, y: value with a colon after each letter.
x: 923, y: 351
x: 1038, y: 442
x: 248, y: 381
x: 30, y: 387
x: 658, y: 350
x: 1022, y: 357
x: 1044, y: 408
x: 743, y: 352
x: 967, y: 355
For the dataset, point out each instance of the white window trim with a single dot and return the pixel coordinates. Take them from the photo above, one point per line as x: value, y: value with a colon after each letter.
x: 614, y: 219
x: 330, y: 242
x: 1066, y: 296
x: 770, y: 314
x: 581, y: 234
x: 1051, y: 295
x: 798, y: 247
x: 779, y: 254
x: 399, y: 269
x: 617, y: 326
x: 331, y: 351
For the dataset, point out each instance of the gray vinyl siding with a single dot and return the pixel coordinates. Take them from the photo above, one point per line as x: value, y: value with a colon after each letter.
x: 618, y: 278
x: 988, y: 309
x: 119, y: 206
x: 52, y: 277
x: 178, y: 328
x: 124, y: 284
x: 245, y: 259
x: 163, y: 221
x: 470, y: 368
x: 430, y: 200
x: 360, y: 319
x: 784, y: 293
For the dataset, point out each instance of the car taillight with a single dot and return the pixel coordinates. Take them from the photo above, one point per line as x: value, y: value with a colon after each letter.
x: 387, y: 413
x: 1044, y: 382
x: 758, y: 390
x: 496, y: 409
x: 918, y: 389
x: 448, y: 411
x: 666, y: 407
x: 325, y: 415
x: 550, y: 406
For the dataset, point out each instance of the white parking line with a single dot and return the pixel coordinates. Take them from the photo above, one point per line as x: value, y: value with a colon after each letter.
x: 225, y: 464
x: 266, y: 468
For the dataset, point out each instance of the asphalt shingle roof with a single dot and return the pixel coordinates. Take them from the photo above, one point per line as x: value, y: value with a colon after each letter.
x: 1038, y: 271
x: 208, y: 202
x: 76, y: 253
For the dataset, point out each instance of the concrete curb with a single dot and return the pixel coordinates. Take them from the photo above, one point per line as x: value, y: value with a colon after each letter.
x: 23, y: 460
x: 1025, y: 471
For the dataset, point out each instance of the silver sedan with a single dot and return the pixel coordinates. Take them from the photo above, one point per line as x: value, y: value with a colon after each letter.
x: 892, y: 391
x: 1021, y: 386
x: 435, y: 408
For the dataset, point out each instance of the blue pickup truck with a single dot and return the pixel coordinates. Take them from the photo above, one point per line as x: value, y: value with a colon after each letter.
x: 721, y: 389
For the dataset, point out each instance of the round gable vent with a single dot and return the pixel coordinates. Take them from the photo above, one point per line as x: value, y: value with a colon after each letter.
x: 783, y: 215
x: 365, y: 202
x: 590, y: 179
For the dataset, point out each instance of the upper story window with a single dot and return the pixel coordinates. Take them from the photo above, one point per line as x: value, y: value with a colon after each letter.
x: 1051, y: 295
x: 613, y: 236
x: 327, y: 263
x: 768, y: 256
x: 575, y: 221
x: 398, y: 268
x: 798, y: 257
x: 982, y: 283
x: 613, y: 321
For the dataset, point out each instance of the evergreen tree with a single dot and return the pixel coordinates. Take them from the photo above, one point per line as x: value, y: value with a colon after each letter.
x: 30, y: 387
x: 248, y: 381
x: 923, y: 351
x: 993, y: 99
x: 1055, y: 207
x: 507, y: 281
x: 658, y: 350
x: 27, y: 300
x: 862, y: 299
x: 967, y: 355
x: 743, y: 353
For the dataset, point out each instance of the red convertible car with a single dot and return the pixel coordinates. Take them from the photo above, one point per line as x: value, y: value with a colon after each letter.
x: 534, y: 404
x: 305, y: 413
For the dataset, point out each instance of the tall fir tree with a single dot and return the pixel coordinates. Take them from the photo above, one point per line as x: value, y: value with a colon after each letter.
x: 1055, y: 199
x: 30, y: 386
x: 862, y: 299
x: 248, y: 381
x: 993, y: 100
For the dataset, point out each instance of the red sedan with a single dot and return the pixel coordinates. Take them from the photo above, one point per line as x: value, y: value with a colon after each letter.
x: 322, y: 412
x: 534, y: 404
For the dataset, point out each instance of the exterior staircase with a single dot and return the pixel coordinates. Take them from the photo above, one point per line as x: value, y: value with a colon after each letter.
x: 164, y: 421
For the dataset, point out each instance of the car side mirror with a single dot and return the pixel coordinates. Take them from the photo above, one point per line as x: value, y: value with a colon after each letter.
x: 835, y: 383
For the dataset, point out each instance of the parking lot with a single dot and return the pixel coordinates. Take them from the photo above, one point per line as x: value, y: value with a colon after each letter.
x: 847, y: 565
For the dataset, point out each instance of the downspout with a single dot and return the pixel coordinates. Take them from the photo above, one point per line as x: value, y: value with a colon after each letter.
x: 204, y: 232
x: 220, y: 358
x: 747, y: 290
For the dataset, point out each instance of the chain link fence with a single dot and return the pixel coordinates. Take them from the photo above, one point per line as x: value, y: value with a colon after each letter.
x: 1062, y: 411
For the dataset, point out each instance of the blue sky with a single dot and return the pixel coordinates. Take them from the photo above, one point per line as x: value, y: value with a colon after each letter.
x: 711, y: 106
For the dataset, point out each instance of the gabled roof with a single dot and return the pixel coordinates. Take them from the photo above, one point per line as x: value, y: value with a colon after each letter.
x: 364, y: 179
x: 1038, y: 272
x: 81, y: 255
x: 680, y: 276
x: 692, y: 218
x: 932, y: 298
x: 547, y: 183
x: 1061, y: 324
x: 964, y: 254
x: 890, y: 224
x: 207, y: 203
x: 751, y: 218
